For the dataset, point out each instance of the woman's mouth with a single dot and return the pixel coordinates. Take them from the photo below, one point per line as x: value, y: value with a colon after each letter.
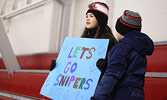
x: 87, y: 22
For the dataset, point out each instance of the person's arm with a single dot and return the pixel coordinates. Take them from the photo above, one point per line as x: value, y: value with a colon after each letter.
x: 114, y: 71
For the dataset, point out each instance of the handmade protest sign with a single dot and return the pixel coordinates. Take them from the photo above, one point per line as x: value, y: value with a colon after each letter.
x: 75, y: 75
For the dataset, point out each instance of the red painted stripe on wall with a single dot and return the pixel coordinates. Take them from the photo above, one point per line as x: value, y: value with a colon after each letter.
x: 158, y: 61
x: 41, y: 61
x: 28, y: 84
x: 155, y: 88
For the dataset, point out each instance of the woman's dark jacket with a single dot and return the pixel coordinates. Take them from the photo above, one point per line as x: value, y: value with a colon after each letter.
x: 124, y: 76
x: 101, y: 63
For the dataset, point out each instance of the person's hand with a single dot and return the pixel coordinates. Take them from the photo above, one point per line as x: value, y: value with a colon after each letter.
x: 53, y: 64
x: 102, y: 64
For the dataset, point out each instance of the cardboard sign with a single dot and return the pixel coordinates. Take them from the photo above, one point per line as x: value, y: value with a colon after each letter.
x: 75, y: 75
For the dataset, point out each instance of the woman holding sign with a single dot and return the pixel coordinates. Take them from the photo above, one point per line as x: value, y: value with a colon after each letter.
x: 96, y: 27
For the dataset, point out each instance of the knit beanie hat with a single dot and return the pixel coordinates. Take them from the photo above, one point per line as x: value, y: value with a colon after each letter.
x: 128, y: 22
x: 100, y: 11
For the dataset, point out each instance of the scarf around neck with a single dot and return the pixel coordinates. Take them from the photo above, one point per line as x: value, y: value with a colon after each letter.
x: 92, y: 32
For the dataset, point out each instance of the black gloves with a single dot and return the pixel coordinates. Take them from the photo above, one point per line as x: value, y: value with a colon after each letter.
x: 102, y: 64
x: 52, y: 65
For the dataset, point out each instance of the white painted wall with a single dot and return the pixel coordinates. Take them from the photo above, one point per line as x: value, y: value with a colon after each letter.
x: 34, y: 31
x: 153, y: 12
x: 37, y: 30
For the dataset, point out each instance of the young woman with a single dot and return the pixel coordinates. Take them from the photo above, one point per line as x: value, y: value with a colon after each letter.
x: 96, y: 23
x: 96, y: 27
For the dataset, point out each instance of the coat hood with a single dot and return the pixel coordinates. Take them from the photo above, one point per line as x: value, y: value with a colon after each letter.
x: 140, y: 42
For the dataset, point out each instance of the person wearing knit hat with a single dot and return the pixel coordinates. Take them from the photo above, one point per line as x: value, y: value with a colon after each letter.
x: 96, y: 27
x: 100, y: 11
x: 129, y: 21
x: 124, y: 76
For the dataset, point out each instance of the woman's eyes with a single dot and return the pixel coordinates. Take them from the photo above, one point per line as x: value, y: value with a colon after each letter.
x: 90, y: 16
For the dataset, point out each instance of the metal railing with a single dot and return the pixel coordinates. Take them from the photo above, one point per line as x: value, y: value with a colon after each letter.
x: 27, y: 6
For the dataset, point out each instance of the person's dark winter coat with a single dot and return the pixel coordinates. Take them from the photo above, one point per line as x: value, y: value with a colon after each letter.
x: 124, y: 76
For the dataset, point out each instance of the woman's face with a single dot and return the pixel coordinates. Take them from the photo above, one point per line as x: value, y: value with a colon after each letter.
x: 119, y: 36
x: 91, y: 21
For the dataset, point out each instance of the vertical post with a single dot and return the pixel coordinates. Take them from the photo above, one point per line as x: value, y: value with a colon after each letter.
x: 12, y: 4
x: 65, y: 20
x: 2, y: 6
x: 7, y: 52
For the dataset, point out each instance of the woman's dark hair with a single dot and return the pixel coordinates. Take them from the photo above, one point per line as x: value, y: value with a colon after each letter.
x: 103, y: 32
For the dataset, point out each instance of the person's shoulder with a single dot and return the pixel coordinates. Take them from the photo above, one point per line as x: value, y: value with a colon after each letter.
x: 120, y: 50
x: 121, y: 47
